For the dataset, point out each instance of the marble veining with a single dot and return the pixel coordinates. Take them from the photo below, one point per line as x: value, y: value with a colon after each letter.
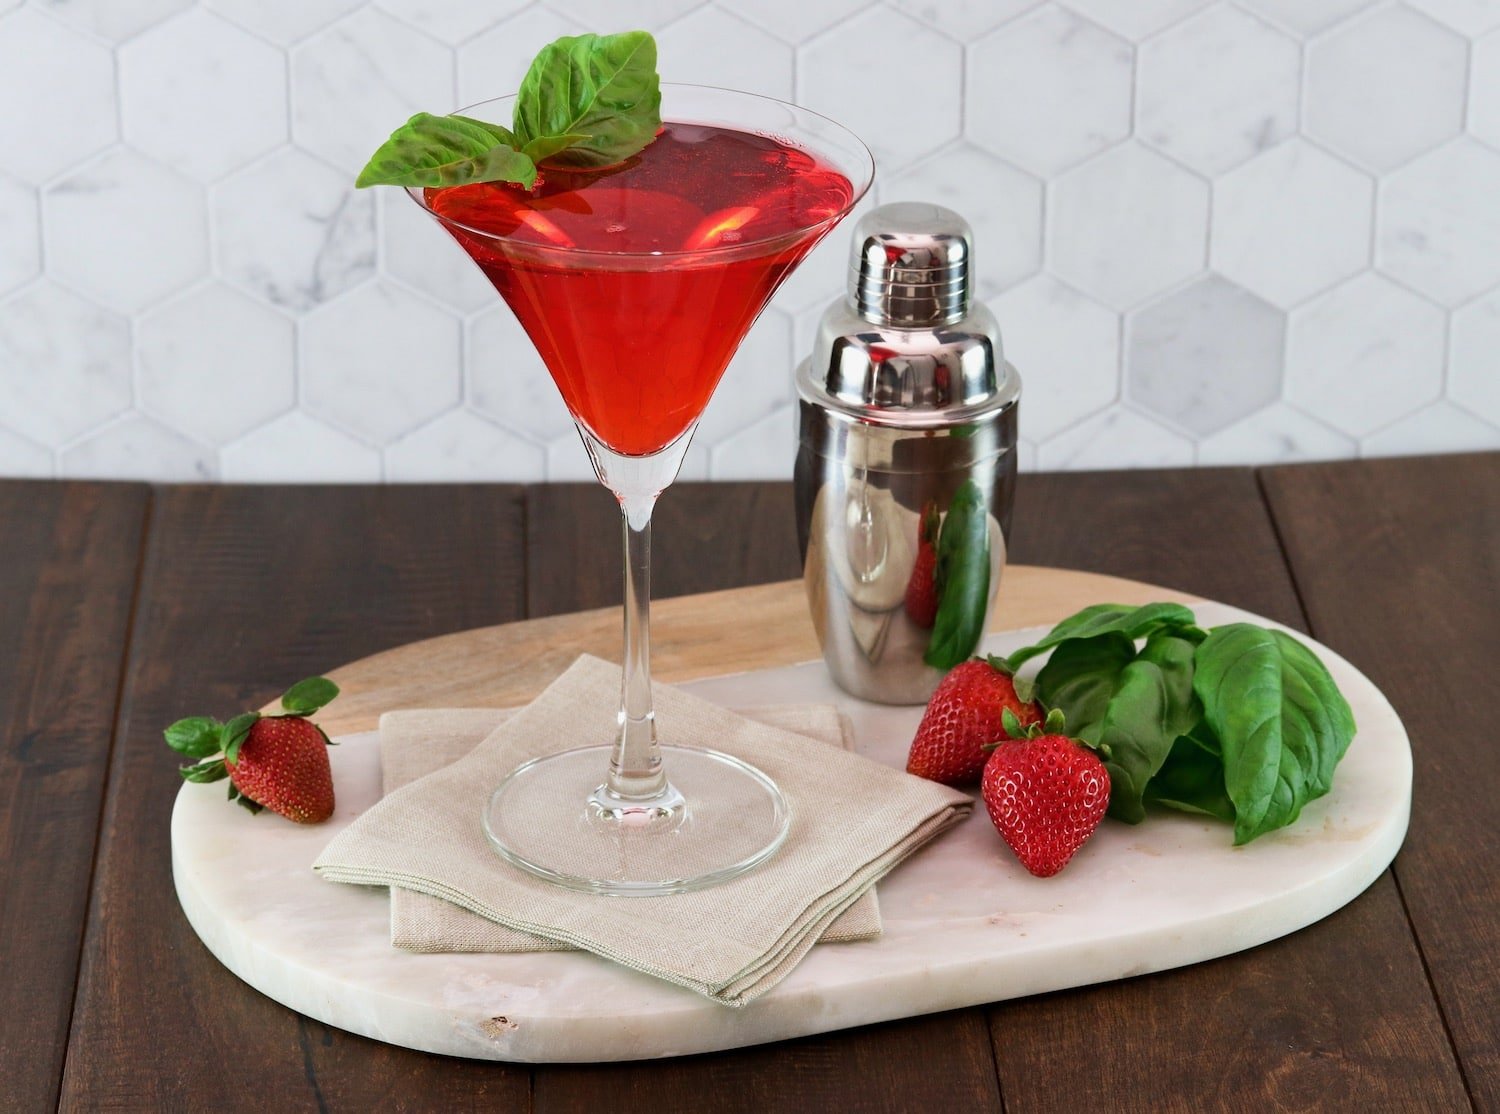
x: 1113, y: 157
x: 963, y: 922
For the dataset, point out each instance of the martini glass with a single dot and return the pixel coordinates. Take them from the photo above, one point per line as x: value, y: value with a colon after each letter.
x: 637, y: 284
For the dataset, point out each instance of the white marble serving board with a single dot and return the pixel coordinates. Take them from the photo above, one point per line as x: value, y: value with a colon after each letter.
x: 964, y: 923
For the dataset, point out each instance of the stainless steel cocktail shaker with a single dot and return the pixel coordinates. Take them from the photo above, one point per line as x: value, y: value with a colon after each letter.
x: 906, y: 465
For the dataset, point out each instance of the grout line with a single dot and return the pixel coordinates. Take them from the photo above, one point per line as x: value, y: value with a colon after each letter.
x: 115, y: 748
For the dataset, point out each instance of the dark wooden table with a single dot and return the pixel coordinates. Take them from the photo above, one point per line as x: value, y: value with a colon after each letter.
x: 123, y: 606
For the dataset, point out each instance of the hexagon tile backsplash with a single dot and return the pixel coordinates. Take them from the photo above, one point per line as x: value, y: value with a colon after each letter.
x: 1214, y: 231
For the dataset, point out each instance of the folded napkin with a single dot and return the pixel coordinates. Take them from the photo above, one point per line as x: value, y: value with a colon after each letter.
x: 417, y: 743
x: 852, y: 820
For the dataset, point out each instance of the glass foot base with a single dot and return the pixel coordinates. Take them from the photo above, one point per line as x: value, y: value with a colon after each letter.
x: 718, y: 818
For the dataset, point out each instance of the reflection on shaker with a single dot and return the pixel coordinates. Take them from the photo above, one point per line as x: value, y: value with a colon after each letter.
x: 907, y: 463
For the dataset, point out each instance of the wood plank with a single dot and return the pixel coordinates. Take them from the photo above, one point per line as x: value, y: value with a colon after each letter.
x: 1337, y: 1016
x: 246, y: 590
x: 69, y: 556
x: 704, y: 537
x: 1398, y: 562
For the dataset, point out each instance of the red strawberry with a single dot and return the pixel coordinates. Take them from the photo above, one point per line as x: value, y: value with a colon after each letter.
x: 1045, y: 794
x: 963, y: 715
x: 921, y: 589
x: 278, y: 762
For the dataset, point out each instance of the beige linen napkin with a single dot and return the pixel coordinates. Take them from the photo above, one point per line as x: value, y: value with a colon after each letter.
x: 417, y: 743
x: 852, y: 821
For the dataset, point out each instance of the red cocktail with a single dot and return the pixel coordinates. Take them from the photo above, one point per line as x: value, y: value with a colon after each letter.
x: 637, y: 283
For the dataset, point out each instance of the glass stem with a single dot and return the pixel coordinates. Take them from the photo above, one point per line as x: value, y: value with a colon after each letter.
x: 635, y: 770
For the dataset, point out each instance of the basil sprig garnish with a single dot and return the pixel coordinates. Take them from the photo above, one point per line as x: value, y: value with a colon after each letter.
x: 1240, y: 722
x: 586, y: 101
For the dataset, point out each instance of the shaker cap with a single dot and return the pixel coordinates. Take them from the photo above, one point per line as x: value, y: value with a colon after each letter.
x: 911, y: 265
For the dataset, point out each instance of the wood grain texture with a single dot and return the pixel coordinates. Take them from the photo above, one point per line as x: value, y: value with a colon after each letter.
x: 69, y: 554
x: 704, y: 537
x: 1398, y: 562
x: 1338, y: 1016
x: 245, y: 590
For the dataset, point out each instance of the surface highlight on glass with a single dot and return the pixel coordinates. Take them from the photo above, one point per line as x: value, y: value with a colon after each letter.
x: 637, y: 284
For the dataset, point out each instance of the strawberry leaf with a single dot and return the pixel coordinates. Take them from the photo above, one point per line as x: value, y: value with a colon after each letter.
x: 204, y: 772
x: 246, y: 803
x: 1012, y: 724
x: 306, y: 697
x: 196, y: 737
x: 232, y: 737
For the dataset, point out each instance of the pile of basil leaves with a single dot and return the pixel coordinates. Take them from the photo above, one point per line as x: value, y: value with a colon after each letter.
x: 1238, y: 722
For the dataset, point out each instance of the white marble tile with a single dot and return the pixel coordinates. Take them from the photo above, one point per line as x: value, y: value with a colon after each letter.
x: 1217, y: 89
x: 1385, y: 87
x: 493, y: 63
x: 1127, y: 225
x: 418, y: 251
x: 453, y: 21
x: 650, y: 15
x: 897, y: 119
x: 508, y: 383
x: 459, y: 446
x: 183, y: 95
x: 21, y: 233
x: 154, y: 221
x: 1137, y: 19
x: 283, y: 22
x: 24, y: 459
x: 296, y: 449
x: 1117, y: 439
x: 293, y: 232
x: 757, y: 382
x: 1364, y: 354
x: 1048, y: 90
x: 1439, y: 428
x: 1001, y: 203
x: 116, y: 20
x: 137, y: 448
x: 358, y: 80
x: 567, y: 462
x: 66, y: 83
x: 763, y: 451
x: 711, y: 47
x: 1291, y: 222
x: 965, y: 19
x: 379, y: 361
x: 1474, y: 357
x: 1484, y: 89
x: 1439, y: 223
x: 1308, y: 16
x: 64, y: 364
x: 1026, y: 454
x: 215, y: 364
x: 1067, y: 349
x: 1204, y: 356
x: 1279, y: 434
x: 1468, y: 17
x: 797, y: 21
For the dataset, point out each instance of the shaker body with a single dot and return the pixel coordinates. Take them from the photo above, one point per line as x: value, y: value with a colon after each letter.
x: 861, y: 490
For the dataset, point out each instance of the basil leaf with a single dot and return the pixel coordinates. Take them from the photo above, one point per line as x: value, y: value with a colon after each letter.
x: 1173, y: 655
x: 196, y: 737
x: 1281, y: 723
x: 1109, y: 618
x: 306, y: 697
x: 1191, y: 780
x: 204, y: 772
x: 600, y: 86
x: 447, y: 151
x: 1153, y: 705
x: 547, y: 146
x: 1081, y: 677
x: 963, y: 579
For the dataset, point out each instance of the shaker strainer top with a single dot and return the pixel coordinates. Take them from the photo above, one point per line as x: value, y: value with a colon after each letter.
x: 910, y: 264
